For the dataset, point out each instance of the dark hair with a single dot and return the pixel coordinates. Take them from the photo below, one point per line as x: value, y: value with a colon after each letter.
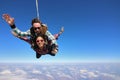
x: 43, y: 36
x: 33, y: 35
x: 45, y: 39
x: 36, y: 20
x: 32, y: 32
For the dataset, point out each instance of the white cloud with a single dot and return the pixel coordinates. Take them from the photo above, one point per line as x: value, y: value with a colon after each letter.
x: 61, y: 74
x: 83, y: 76
x: 36, y: 72
x: 5, y: 72
x: 49, y: 75
x: 87, y: 74
x: 83, y: 71
x: 92, y: 75
x: 20, y: 72
x: 34, y: 79
x: 12, y: 77
x: 53, y: 72
x: 111, y: 75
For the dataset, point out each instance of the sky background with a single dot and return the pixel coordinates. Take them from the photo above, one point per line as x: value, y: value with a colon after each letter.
x: 92, y: 30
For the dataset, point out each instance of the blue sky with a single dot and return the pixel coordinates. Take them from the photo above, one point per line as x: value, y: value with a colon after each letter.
x: 92, y: 30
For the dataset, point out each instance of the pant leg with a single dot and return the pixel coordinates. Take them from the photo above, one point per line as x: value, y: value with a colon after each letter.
x: 38, y: 55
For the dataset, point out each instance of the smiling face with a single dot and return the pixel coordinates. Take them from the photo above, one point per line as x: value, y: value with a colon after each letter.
x: 40, y: 42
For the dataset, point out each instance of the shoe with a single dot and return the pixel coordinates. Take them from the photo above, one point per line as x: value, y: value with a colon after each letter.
x: 54, y: 51
x: 51, y: 54
x: 38, y: 55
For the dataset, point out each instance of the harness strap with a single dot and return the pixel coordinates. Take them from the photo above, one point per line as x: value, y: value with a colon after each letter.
x: 37, y: 9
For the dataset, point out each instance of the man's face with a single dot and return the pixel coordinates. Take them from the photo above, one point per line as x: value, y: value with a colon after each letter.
x: 37, y: 28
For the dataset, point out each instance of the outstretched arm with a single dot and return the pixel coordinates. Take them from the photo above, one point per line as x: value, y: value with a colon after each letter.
x: 57, y: 35
x: 22, y: 38
x: 11, y: 22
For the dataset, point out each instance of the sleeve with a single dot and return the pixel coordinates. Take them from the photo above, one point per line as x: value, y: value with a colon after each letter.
x: 25, y: 39
x: 20, y: 33
x: 51, y: 37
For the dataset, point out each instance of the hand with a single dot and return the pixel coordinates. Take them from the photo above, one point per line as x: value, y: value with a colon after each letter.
x: 62, y: 29
x: 8, y: 19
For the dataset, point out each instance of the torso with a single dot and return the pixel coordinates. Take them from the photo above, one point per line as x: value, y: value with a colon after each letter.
x: 42, y: 52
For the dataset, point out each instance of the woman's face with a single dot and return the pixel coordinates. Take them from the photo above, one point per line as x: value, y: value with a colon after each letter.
x: 40, y: 42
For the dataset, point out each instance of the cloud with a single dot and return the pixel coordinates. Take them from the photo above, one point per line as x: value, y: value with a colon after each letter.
x: 113, y: 76
x: 5, y: 72
x: 20, y: 72
x: 36, y: 72
x: 83, y: 71
x: 8, y: 74
x: 53, y: 72
x: 49, y: 75
x: 88, y: 74
x: 92, y: 75
x: 64, y: 75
